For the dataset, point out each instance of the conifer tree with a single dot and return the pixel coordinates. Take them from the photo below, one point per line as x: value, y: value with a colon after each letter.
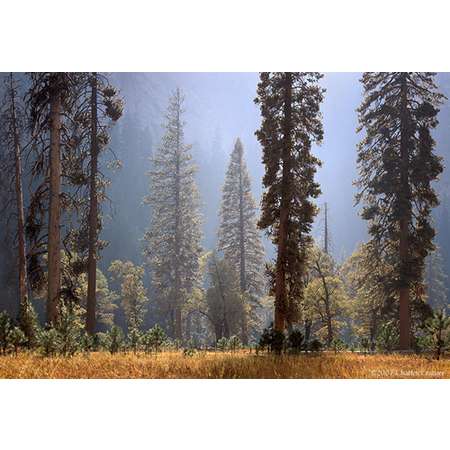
x: 173, y: 239
x: 291, y: 122
x: 104, y: 108
x: 52, y: 99
x: 397, y: 165
x: 238, y: 234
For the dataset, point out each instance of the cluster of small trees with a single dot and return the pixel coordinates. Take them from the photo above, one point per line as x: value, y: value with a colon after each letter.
x: 68, y: 336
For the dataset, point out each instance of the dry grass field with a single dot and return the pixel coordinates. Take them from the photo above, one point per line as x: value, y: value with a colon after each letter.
x: 241, y: 364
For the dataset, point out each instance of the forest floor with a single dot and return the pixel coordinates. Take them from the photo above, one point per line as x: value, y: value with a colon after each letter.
x: 241, y: 364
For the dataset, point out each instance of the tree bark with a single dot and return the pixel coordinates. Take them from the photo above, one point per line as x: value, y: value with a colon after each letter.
x: 54, y: 257
x: 23, y: 289
x: 280, y: 275
x: 404, y: 294
x: 93, y: 215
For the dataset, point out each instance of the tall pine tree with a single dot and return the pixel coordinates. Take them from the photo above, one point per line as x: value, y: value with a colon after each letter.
x: 173, y: 238
x: 397, y: 165
x: 238, y: 234
x: 291, y: 122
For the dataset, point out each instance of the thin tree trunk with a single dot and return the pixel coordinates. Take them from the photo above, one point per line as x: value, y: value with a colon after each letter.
x: 23, y: 283
x: 404, y: 294
x: 280, y: 275
x: 54, y: 257
x: 93, y: 215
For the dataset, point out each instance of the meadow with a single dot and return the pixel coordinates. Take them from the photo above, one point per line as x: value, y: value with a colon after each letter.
x: 242, y: 364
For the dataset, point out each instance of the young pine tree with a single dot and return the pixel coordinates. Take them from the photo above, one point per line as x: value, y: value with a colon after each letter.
x: 291, y: 122
x: 173, y: 238
x: 238, y: 234
x: 397, y: 166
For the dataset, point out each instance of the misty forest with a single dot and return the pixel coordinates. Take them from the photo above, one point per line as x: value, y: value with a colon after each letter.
x: 221, y: 225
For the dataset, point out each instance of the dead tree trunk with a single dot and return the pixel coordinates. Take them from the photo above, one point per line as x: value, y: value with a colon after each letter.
x: 54, y: 257
x: 93, y: 215
x: 23, y: 283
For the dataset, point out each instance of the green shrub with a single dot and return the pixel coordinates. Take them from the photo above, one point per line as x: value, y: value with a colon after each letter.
x: 189, y: 352
x: 154, y: 339
x: 222, y: 344
x: 296, y: 341
x: 115, y: 339
x: 272, y: 340
x: 338, y: 345
x: 49, y: 341
x: 437, y: 330
x: 17, y: 338
x: 134, y: 340
x: 5, y: 332
x: 234, y: 343
x: 70, y: 328
x: 387, y: 338
x: 315, y: 345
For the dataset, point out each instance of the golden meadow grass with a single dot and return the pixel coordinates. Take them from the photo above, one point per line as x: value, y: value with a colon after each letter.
x: 241, y: 364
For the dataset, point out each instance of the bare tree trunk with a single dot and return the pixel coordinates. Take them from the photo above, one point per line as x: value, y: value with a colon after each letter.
x: 23, y: 283
x: 54, y: 257
x: 93, y: 216
x: 280, y: 275
x: 404, y: 294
